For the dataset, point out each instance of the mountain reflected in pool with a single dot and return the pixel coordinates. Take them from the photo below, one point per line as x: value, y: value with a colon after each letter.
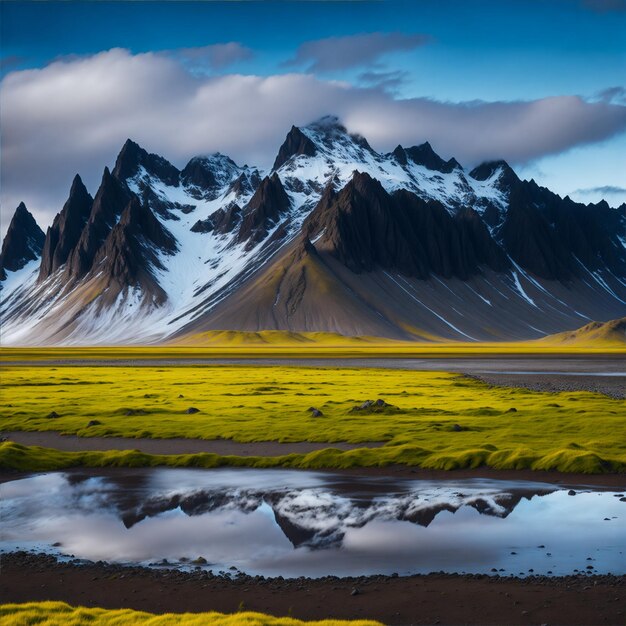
x: 290, y: 523
x: 319, y: 517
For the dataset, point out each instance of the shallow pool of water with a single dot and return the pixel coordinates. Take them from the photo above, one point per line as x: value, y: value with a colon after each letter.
x: 277, y: 522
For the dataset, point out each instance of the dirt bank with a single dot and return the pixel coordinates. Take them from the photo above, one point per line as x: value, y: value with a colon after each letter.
x: 224, y: 447
x: 608, y: 482
x: 432, y: 599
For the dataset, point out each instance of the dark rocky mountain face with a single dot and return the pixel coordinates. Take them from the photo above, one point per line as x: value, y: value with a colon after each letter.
x: 110, y: 200
x: 198, y: 174
x: 165, y: 208
x: 205, y: 177
x: 131, y: 249
x: 132, y: 157
x: 295, y: 143
x: 245, y: 183
x: 594, y: 234
x: 265, y: 209
x: 136, y: 164
x: 553, y: 236
x: 477, y: 242
x: 426, y: 156
x: 23, y: 242
x: 223, y: 221
x: 66, y: 229
x: 366, y: 228
x: 530, y: 240
x: 507, y: 180
x: 114, y: 233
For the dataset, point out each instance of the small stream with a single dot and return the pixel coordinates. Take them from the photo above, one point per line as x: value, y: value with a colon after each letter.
x: 294, y: 523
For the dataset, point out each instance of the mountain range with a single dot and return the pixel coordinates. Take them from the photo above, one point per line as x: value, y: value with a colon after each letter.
x: 336, y: 237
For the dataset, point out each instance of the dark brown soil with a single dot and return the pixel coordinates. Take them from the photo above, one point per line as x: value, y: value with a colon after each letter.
x: 432, y: 599
x: 72, y: 443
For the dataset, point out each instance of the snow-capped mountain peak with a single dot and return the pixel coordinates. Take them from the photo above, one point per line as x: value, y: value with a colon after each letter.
x: 312, y: 156
x: 336, y: 237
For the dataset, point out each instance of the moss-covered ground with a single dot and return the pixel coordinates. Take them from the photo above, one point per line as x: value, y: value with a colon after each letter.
x: 437, y: 420
x: 61, y: 614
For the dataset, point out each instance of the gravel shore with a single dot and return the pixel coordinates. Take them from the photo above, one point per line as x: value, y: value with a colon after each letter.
x: 612, y: 386
x: 431, y: 599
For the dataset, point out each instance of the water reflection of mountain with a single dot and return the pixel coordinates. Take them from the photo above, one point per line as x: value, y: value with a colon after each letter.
x: 318, y: 518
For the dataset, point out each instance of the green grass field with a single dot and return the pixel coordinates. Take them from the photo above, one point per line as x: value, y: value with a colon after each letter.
x: 442, y: 421
x: 61, y: 614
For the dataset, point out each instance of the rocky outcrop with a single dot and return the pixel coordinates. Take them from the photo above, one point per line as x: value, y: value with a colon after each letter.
x: 66, y: 229
x: 590, y: 233
x: 507, y: 178
x: 223, y: 221
x: 133, y: 157
x: 426, y: 156
x: 197, y: 173
x: 556, y: 238
x: 246, y: 183
x: 132, y: 248
x: 205, y: 177
x: 295, y: 143
x: 111, y: 199
x: 23, y: 242
x: 478, y: 242
x: 366, y: 228
x: 265, y: 209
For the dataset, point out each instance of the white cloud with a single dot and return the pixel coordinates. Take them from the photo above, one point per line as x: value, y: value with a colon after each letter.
x: 74, y: 115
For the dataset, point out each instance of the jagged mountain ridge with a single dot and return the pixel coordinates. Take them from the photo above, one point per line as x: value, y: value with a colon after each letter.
x: 336, y: 237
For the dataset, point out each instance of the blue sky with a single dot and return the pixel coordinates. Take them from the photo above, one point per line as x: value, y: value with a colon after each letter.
x: 446, y: 51
x: 479, y: 50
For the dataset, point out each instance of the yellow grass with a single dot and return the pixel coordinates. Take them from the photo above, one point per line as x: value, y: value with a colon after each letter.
x: 442, y: 420
x: 277, y: 344
x: 61, y: 614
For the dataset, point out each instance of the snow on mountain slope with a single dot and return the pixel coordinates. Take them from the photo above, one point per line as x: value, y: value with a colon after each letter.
x: 212, y: 246
x: 338, y: 154
x: 202, y: 261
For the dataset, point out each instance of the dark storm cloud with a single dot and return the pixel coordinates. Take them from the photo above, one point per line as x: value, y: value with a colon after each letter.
x: 338, y: 53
